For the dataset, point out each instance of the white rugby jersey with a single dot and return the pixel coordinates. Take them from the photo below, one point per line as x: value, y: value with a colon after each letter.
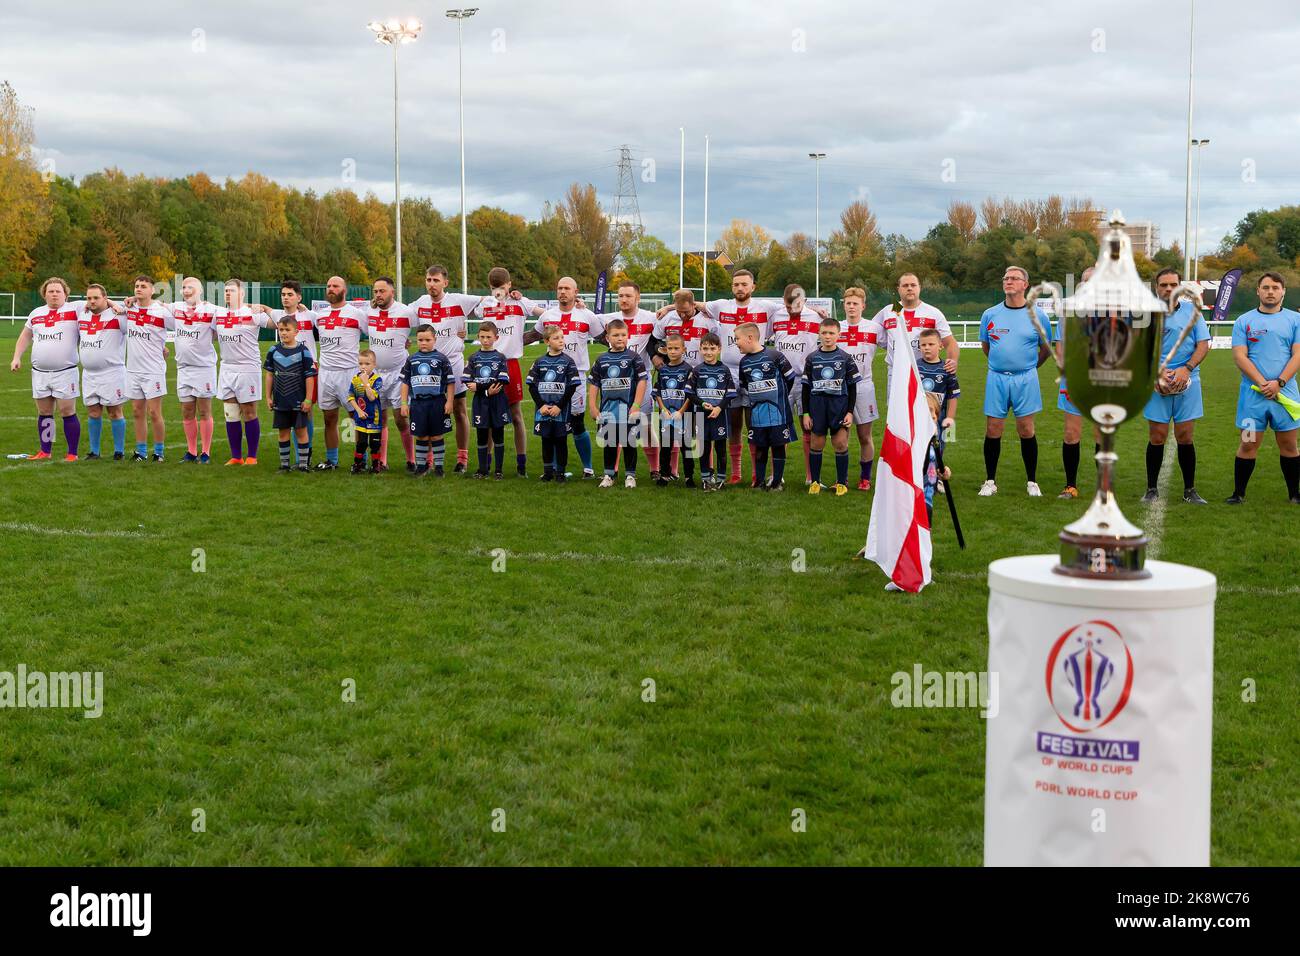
x: 640, y: 327
x: 389, y: 330
x: 306, y: 327
x: 861, y: 340
x: 102, y: 339
x: 54, y: 337
x: 729, y: 314
x: 196, y: 336
x: 509, y: 317
x: 237, y: 333
x: 691, y: 329
x: 447, y: 316
x: 146, y: 336
x: 579, y: 326
x: 795, y: 336
x: 338, y: 331
x: 922, y: 317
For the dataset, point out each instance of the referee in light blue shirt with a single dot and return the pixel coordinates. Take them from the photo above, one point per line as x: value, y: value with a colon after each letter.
x: 1015, y: 351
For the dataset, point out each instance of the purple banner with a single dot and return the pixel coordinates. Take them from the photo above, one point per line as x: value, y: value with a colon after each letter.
x: 1227, y: 288
x: 600, y: 292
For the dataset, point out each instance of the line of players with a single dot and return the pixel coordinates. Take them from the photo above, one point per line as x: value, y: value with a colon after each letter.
x: 95, y: 333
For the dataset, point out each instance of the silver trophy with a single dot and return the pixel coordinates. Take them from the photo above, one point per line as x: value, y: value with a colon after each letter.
x: 1111, y: 329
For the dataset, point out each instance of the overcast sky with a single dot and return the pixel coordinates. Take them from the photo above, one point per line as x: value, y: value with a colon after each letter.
x: 1005, y: 98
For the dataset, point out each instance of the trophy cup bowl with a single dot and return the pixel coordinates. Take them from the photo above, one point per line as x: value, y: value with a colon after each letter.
x: 1111, y: 331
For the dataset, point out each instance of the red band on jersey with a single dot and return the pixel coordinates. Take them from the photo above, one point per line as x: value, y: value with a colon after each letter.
x: 334, y: 321
x: 852, y: 336
x: 96, y: 324
x: 567, y: 325
x: 382, y: 322
x: 436, y: 313
x: 230, y: 321
x: 50, y: 319
x: 144, y: 318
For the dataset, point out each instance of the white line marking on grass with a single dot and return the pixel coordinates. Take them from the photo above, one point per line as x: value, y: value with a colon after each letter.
x: 72, y: 532
x: 1155, y: 528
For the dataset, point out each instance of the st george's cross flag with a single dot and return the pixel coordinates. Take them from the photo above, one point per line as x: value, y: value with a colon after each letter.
x: 898, y: 537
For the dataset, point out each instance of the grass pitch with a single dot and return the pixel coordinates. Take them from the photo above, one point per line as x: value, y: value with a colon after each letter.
x: 517, y: 695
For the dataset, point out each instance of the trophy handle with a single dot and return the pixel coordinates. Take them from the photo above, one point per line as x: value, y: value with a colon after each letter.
x: 1189, y: 292
x: 1031, y: 297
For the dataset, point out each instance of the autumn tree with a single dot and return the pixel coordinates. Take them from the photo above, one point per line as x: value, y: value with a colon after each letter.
x: 23, y: 192
x: 962, y: 217
x: 743, y: 241
x: 583, y: 218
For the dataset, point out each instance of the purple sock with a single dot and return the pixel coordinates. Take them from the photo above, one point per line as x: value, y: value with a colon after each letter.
x: 45, y: 432
x: 235, y: 435
x: 72, y: 432
x: 253, y: 429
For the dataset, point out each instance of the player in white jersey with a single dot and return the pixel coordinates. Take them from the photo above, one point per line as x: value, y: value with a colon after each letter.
x: 861, y: 337
x: 794, y: 335
x: 447, y: 312
x: 239, y: 379
x: 291, y: 304
x: 916, y: 317
x: 389, y: 326
x: 338, y: 330
x: 730, y: 315
x: 102, y: 347
x: 509, y: 311
x: 52, y: 333
x: 196, y: 368
x: 147, y: 325
x: 580, y: 327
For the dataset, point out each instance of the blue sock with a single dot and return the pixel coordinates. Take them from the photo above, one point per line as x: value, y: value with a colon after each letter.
x: 141, y: 448
x: 815, y: 465
x: 158, y: 448
x: 582, y: 441
x: 118, y: 427
x: 95, y: 430
x: 841, y: 468
x: 311, y: 431
x: 332, y: 455
x: 521, y: 462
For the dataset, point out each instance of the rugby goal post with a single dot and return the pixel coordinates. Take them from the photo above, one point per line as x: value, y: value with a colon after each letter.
x: 8, y: 302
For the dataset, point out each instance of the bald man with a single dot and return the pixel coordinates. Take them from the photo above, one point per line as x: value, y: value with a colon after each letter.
x: 338, y: 332
x: 196, y: 368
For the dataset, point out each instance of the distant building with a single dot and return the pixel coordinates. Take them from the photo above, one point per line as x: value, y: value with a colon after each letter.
x: 718, y: 258
x: 1144, y: 234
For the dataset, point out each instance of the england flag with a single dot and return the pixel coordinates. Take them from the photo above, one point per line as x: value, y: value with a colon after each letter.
x: 898, y: 537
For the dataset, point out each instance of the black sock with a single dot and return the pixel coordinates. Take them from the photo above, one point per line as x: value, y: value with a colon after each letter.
x: 1070, y: 459
x: 841, y: 467
x: 629, y: 459
x: 1187, y: 465
x: 778, y: 464
x: 1291, y: 472
x: 304, y: 452
x: 1029, y: 453
x: 284, y: 452
x: 760, y: 464
x: 688, y: 463
x: 1241, y: 471
x: 992, y: 450
x: 561, y: 455
x: 1155, y: 458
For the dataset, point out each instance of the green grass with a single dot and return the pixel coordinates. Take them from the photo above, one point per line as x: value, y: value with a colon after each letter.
x: 522, y: 690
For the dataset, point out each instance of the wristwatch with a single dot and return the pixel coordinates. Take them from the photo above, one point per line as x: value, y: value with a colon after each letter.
x: 1281, y: 382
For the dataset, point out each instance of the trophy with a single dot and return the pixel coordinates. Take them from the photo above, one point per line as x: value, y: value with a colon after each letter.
x: 1111, y: 329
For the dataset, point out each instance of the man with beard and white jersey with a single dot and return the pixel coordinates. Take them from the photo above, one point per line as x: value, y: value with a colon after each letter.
x: 196, y: 368
x: 147, y: 325
x: 52, y: 332
x: 291, y: 304
x: 509, y: 311
x: 239, y: 379
x: 389, y: 326
x: 692, y: 322
x: 915, y: 315
x: 447, y: 312
x: 102, y: 347
x: 794, y: 335
x: 338, y: 330
x: 730, y: 314
x: 580, y: 327
x: 860, y: 338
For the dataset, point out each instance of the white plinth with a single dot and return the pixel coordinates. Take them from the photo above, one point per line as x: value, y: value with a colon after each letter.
x: 1120, y: 775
